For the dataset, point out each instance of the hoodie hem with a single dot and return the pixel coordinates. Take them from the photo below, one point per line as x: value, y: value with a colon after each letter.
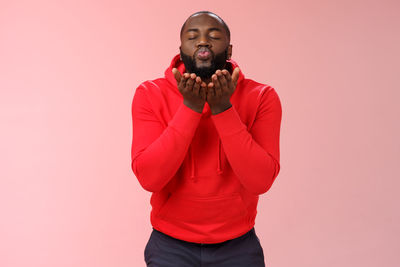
x: 213, y: 235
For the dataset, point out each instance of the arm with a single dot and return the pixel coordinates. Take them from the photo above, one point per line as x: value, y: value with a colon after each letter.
x: 254, y: 156
x: 158, y: 151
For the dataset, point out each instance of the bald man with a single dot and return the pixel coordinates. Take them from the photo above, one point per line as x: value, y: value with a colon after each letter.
x: 206, y: 144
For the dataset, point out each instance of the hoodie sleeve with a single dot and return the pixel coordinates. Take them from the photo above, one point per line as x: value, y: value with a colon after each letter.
x: 254, y: 156
x: 157, y: 150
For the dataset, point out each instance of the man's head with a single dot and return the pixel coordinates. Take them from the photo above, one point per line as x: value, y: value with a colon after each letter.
x: 205, y: 44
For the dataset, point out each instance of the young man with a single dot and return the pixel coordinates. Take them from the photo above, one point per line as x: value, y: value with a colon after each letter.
x: 206, y: 144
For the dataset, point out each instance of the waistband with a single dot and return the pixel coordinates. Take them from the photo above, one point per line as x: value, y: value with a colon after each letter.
x: 249, y: 233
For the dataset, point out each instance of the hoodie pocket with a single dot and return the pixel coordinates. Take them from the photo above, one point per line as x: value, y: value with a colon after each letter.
x: 203, y: 210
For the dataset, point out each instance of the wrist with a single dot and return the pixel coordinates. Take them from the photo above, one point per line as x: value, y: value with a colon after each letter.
x: 196, y: 108
x: 220, y: 108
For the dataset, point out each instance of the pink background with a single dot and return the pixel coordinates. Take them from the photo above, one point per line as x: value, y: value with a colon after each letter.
x: 68, y: 72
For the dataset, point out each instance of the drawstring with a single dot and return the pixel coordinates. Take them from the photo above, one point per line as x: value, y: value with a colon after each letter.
x: 192, y: 160
x: 219, y: 171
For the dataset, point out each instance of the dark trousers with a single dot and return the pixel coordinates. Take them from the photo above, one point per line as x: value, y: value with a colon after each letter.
x: 165, y: 251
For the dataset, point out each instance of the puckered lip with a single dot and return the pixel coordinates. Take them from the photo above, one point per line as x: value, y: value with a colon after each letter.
x: 203, y: 49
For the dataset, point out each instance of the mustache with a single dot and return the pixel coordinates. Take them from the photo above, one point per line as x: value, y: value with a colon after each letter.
x: 203, y: 49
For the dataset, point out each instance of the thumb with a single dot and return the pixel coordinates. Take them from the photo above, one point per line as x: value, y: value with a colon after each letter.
x: 177, y: 75
x: 235, y: 75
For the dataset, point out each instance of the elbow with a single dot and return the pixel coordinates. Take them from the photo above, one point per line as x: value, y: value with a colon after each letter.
x: 261, y: 188
x: 266, y: 182
x: 272, y: 177
x: 150, y: 187
x: 146, y: 182
x: 265, y: 188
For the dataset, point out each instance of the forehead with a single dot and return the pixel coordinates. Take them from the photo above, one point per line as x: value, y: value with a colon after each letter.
x: 203, y: 21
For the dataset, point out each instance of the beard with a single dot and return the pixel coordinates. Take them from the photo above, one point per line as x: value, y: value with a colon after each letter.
x: 218, y: 61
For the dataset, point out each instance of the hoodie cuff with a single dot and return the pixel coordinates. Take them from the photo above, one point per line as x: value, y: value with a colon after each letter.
x: 228, y: 122
x: 185, y: 120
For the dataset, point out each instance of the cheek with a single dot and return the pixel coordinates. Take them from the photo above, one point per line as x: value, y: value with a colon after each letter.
x: 187, y: 49
x: 221, y: 49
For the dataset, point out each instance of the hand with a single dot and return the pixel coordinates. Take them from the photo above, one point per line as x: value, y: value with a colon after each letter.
x: 192, y: 89
x: 220, y: 90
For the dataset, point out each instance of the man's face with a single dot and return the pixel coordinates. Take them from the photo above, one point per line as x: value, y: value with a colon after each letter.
x: 204, y: 45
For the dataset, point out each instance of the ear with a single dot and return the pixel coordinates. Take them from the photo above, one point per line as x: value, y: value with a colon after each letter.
x: 229, y: 51
x: 180, y: 49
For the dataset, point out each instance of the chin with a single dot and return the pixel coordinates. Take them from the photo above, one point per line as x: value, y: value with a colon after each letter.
x: 203, y: 65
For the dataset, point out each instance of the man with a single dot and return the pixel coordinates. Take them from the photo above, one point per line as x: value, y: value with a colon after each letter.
x: 206, y: 144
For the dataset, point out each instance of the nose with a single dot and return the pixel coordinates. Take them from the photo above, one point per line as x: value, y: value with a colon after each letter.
x: 203, y: 41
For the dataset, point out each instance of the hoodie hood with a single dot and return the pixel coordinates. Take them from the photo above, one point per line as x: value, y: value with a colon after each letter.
x: 178, y: 63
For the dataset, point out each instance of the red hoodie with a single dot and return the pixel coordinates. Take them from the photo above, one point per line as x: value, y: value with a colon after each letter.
x: 205, y: 171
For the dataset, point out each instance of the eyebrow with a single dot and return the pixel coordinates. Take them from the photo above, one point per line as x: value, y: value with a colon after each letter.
x: 197, y: 30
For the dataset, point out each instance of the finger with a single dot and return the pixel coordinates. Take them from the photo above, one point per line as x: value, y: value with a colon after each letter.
x: 198, y: 80
x: 202, y: 94
x: 217, y: 85
x: 211, y: 89
x: 222, y: 81
x: 203, y: 91
x: 228, y: 78
x: 196, y: 86
x: 190, y: 81
x: 177, y: 75
x: 182, y: 83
